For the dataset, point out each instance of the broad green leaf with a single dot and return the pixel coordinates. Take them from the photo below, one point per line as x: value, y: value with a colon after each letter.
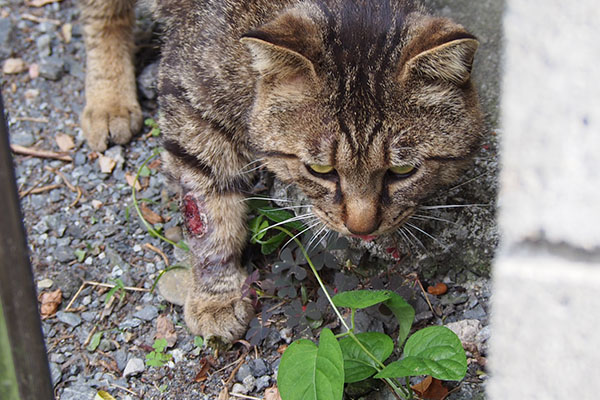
x: 404, y: 313
x: 308, y: 372
x: 358, y: 365
x: 273, y: 243
x: 361, y: 298
x: 435, y: 351
x: 144, y: 171
x: 160, y: 345
x: 276, y: 215
x: 95, y: 341
x: 198, y: 341
x: 80, y: 254
x: 102, y: 395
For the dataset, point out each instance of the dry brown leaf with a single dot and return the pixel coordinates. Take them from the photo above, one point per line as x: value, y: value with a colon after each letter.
x: 41, y: 3
x: 150, y: 215
x: 438, y: 290
x: 49, y: 303
x: 166, y: 330
x: 202, y: 375
x: 130, y: 178
x: 107, y: 164
x: 224, y: 394
x: 272, y: 393
x: 14, y: 66
x: 431, y: 389
x: 64, y: 142
x: 155, y: 164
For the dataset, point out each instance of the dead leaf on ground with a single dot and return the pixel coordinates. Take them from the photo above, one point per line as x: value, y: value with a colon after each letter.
x: 431, y: 389
x: 155, y: 164
x: 107, y: 164
x: 272, y: 393
x: 166, y: 330
x: 49, y: 303
x: 224, y: 394
x: 64, y: 142
x: 150, y: 215
x: 41, y: 3
x: 202, y: 375
x: 130, y: 178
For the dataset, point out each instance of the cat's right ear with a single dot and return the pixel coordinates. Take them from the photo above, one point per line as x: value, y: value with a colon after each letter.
x: 283, y: 48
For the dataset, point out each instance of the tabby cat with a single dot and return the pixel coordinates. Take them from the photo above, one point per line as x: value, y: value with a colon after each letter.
x: 366, y: 105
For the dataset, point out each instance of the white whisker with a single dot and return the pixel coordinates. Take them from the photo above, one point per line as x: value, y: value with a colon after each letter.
x: 468, y: 181
x: 453, y: 206
x: 424, y: 233
x: 315, y: 236
x: 404, y: 237
x: 313, y: 224
x: 267, y: 199
x: 428, y: 217
x: 287, y: 221
x: 407, y: 230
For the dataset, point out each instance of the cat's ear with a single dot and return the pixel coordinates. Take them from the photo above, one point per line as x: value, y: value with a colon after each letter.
x: 450, y: 61
x: 284, y: 48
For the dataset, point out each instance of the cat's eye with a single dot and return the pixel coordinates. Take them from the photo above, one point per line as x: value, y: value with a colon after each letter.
x: 402, y: 171
x: 321, y: 169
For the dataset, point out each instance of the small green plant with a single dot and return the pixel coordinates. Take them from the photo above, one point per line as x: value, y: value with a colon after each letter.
x: 95, y: 341
x: 151, y: 123
x: 308, y: 371
x: 118, y: 289
x: 158, y: 357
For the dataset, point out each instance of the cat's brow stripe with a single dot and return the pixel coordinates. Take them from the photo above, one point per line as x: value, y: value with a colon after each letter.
x: 276, y: 154
x: 187, y: 158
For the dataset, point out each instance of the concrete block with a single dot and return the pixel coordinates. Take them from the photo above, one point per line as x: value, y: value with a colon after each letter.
x: 551, y: 117
x: 545, y: 343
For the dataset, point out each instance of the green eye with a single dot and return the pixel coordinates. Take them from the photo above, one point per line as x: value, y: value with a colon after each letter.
x: 402, y: 169
x: 321, y: 169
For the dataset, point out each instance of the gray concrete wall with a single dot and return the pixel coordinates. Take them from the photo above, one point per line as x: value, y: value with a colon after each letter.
x: 546, y: 305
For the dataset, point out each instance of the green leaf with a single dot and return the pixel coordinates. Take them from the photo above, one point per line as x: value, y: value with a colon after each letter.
x: 358, y: 365
x: 145, y: 171
x: 102, y: 395
x: 198, y: 341
x: 310, y: 373
x: 361, y: 298
x: 95, y: 341
x: 273, y: 243
x: 276, y: 215
x: 435, y: 351
x: 80, y: 254
x: 155, y: 132
x: 149, y: 122
x: 404, y: 313
x: 160, y: 345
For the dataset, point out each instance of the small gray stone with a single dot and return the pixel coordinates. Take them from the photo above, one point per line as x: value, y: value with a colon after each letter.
x: 121, y: 358
x: 64, y: 254
x: 258, y: 367
x: 178, y: 355
x: 57, y: 358
x: 88, y: 316
x: 43, y: 45
x: 7, y: 33
x: 106, y: 345
x: 466, y: 330
x: 52, y: 68
x: 130, y: 323
x: 239, y: 388
x: 249, y: 382
x: 22, y: 138
x: 41, y: 227
x: 78, y: 392
x: 454, y: 299
x: 243, y: 372
x: 147, y: 313
x: 116, y: 153
x: 69, y: 318
x: 133, y: 367
x: 147, y: 81
x: 262, y: 383
x: 55, y: 373
x: 476, y: 313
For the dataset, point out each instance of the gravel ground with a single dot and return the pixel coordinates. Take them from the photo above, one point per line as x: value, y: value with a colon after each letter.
x: 82, y: 227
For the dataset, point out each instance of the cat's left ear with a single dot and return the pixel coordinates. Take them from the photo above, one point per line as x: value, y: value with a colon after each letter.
x: 284, y: 48
x: 450, y: 61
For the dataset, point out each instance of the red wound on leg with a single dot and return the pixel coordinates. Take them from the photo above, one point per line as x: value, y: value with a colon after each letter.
x: 195, y: 220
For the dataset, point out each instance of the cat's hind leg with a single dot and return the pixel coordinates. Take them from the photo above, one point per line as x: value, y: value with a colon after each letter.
x: 112, y: 112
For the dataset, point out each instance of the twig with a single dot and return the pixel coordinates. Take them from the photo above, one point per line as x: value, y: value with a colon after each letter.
x: 83, y: 285
x: 79, y: 194
x: 89, y: 336
x: 244, y: 396
x: 17, y: 149
x: 42, y: 189
x: 63, y: 177
x: 124, y: 389
x: 159, y: 251
x: 110, y: 286
x: 416, y: 279
x: 26, y: 192
x: 235, y: 370
x: 33, y: 18
x: 32, y: 119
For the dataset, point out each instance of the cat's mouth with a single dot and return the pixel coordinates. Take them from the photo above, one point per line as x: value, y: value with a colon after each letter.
x: 366, y: 238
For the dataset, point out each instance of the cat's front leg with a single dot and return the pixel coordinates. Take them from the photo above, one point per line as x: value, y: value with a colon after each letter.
x: 216, y: 234
x: 112, y: 112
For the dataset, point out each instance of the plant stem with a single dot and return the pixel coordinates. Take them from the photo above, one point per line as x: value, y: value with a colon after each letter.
x: 398, y: 390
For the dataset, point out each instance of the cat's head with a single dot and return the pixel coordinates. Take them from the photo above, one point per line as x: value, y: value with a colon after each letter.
x: 368, y: 110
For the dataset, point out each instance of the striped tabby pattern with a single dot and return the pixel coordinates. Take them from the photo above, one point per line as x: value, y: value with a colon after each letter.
x: 360, y: 86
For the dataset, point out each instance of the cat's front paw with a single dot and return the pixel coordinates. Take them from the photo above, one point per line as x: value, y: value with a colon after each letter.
x: 219, y: 319
x: 112, y: 119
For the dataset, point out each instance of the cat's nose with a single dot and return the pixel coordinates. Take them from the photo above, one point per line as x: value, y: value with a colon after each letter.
x: 362, y: 217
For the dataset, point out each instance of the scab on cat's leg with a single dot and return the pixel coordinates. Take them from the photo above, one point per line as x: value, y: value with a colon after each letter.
x: 214, y: 307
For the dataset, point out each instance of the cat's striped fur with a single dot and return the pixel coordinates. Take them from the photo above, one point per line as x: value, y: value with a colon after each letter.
x: 360, y: 85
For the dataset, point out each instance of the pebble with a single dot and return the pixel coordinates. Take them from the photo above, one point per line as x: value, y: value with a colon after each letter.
x: 43, y: 45
x: 239, y: 388
x: 262, y: 383
x: 466, y: 330
x: 88, y: 316
x: 147, y: 81
x: 14, y: 66
x: 243, y: 372
x: 249, y: 383
x: 178, y: 355
x: 121, y: 358
x: 147, y: 313
x: 57, y: 358
x: 78, y: 392
x: 22, y: 138
x: 45, y: 284
x: 475, y: 313
x: 68, y: 318
x: 134, y: 367
x: 130, y: 323
x: 52, y: 68
x: 64, y: 254
x: 55, y: 373
x: 258, y: 367
x: 7, y: 32
x: 454, y: 299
